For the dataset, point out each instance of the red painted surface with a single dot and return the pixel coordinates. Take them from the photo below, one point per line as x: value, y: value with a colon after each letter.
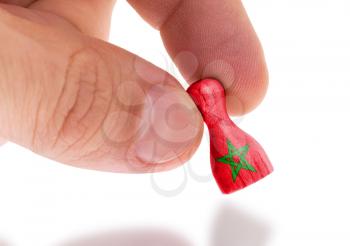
x: 236, y: 159
x: 209, y: 96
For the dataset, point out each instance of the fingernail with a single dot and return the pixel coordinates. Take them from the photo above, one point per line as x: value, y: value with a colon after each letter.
x: 174, y: 126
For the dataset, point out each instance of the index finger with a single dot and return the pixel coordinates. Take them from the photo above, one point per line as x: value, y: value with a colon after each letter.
x: 212, y: 39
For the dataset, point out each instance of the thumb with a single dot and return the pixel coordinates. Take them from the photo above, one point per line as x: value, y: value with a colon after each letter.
x: 84, y: 102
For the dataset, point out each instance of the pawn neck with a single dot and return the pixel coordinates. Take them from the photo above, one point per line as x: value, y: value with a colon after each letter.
x: 209, y: 96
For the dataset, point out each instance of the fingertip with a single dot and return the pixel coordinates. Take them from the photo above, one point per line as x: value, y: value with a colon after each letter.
x: 220, y: 42
x: 250, y: 89
x: 174, y: 128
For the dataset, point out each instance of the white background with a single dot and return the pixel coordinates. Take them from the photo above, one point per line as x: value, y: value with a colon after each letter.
x: 303, y: 124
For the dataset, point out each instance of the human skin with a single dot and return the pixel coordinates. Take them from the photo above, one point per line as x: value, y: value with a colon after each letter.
x: 69, y: 95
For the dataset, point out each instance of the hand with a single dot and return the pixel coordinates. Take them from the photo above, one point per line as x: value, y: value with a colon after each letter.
x: 67, y: 94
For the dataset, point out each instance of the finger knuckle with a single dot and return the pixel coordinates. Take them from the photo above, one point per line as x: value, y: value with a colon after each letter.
x: 83, y: 103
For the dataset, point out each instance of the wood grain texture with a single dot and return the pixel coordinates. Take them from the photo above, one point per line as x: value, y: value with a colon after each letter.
x: 237, y: 159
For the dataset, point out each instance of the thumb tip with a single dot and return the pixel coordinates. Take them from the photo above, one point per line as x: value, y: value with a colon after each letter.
x: 174, y: 127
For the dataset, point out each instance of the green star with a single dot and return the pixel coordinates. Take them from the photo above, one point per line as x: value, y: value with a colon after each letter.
x: 236, y: 158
